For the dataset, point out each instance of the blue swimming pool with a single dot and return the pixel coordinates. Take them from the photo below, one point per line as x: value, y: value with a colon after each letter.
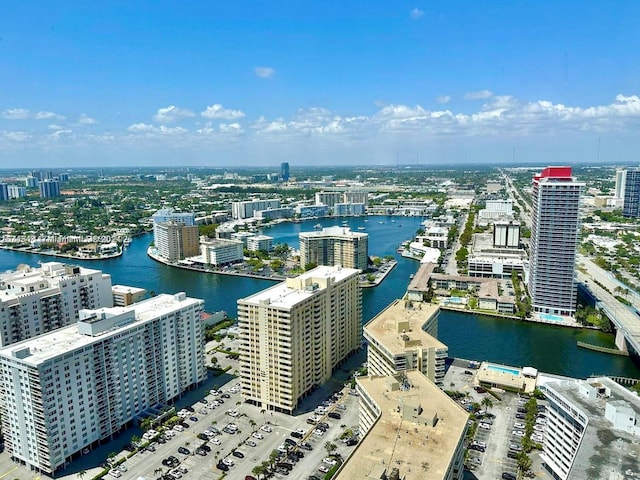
x: 497, y: 368
x: 550, y: 318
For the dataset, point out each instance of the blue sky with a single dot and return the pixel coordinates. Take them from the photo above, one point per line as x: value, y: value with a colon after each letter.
x: 351, y: 82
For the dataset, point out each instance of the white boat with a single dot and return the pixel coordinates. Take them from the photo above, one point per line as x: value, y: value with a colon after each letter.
x: 361, y: 228
x: 127, y: 241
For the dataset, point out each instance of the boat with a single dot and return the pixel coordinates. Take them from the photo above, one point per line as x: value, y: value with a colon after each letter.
x: 411, y: 276
x: 361, y: 228
x: 380, y: 223
x: 127, y: 241
x: 318, y: 226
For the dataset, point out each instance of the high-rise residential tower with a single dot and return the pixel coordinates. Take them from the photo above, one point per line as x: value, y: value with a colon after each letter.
x: 335, y: 246
x: 294, y: 334
x: 554, y: 238
x: 49, y: 188
x: 70, y: 389
x: 36, y: 301
x: 631, y: 193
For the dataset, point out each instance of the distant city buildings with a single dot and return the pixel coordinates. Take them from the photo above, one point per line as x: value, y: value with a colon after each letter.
x: 4, y: 192
x: 49, y: 188
x: 87, y: 382
x: 284, y: 171
x: 294, y: 334
x: 335, y: 246
x: 34, y: 301
x: 554, y: 238
x: 16, y: 191
x: 631, y: 193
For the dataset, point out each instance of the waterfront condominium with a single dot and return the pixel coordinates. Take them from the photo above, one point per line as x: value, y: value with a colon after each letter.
x: 34, y: 301
x: 249, y: 208
x: 176, y: 241
x: 294, y: 334
x: 72, y: 388
x: 397, y: 342
x: 554, y: 238
x: 335, y: 246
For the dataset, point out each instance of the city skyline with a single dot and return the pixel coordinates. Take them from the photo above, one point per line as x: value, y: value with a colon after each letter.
x: 328, y: 83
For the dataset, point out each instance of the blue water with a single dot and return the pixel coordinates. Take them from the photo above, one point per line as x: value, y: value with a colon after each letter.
x: 546, y: 347
x: 497, y: 368
x: 550, y: 318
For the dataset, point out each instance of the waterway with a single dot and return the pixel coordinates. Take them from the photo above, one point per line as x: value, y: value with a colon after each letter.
x: 548, y: 348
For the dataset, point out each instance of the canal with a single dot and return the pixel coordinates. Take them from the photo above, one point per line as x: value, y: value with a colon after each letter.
x: 548, y: 348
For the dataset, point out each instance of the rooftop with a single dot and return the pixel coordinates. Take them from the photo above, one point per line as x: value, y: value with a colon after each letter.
x: 63, y: 340
x: 418, y: 431
x: 603, y: 449
x: 399, y: 328
x: 123, y: 289
x: 292, y: 291
x: 334, y: 232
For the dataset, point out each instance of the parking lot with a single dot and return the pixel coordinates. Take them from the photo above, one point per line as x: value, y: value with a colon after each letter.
x: 488, y: 453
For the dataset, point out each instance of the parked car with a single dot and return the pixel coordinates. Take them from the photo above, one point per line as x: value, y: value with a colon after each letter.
x: 251, y: 443
x: 335, y: 415
x: 324, y: 468
x: 222, y: 466
x: 508, y: 476
x: 296, y: 435
x: 265, y: 428
x: 257, y: 435
x: 306, y: 446
x: 184, y: 451
x: 237, y: 453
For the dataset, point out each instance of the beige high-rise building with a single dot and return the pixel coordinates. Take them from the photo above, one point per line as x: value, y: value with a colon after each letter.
x: 294, y: 334
x: 176, y: 241
x: 335, y: 246
x: 397, y: 342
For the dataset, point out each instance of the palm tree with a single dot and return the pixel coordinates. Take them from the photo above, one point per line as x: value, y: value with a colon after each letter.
x: 330, y: 447
x: 253, y: 424
x: 81, y: 474
x: 487, y: 403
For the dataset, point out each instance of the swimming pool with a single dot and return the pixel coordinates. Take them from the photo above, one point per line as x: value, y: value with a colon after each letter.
x: 550, y: 318
x: 510, y: 371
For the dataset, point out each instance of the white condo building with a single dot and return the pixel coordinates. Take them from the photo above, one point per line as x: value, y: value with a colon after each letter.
x: 34, y: 301
x: 294, y: 334
x: 220, y: 251
x: 554, y: 238
x: 248, y: 208
x: 69, y: 389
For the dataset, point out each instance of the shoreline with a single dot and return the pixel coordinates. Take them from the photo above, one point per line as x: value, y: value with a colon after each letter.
x: 257, y: 276
x: 512, y: 317
x: 62, y: 255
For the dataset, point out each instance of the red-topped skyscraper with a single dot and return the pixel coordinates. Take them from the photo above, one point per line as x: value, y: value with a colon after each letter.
x: 554, y: 238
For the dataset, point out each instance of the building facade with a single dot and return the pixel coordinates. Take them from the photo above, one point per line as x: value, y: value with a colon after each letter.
x: 175, y: 241
x: 16, y: 191
x: 248, y: 208
x: 70, y: 389
x: 631, y: 205
x: 335, y: 246
x: 49, y: 188
x: 554, y: 238
x: 124, y: 295
x: 221, y: 251
x: 506, y: 234
x: 356, y: 196
x: 397, y: 342
x: 284, y: 171
x: 36, y: 301
x: 260, y: 242
x: 348, y: 209
x: 312, y: 211
x: 329, y: 198
x: 294, y: 334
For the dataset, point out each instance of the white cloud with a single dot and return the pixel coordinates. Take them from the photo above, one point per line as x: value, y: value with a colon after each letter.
x: 416, y: 13
x: 15, y: 136
x: 478, y: 95
x: 234, y: 128
x: 60, y: 133
x: 48, y: 116
x: 172, y: 114
x: 264, y: 72
x: 85, y: 119
x: 443, y: 99
x: 140, y: 127
x: 217, y: 111
x: 15, y: 113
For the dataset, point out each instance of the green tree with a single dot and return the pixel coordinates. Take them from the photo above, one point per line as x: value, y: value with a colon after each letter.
x: 330, y: 447
x: 487, y: 403
x: 310, y: 266
x: 524, y: 462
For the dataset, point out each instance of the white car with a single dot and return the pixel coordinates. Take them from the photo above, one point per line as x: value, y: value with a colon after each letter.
x: 216, y: 441
x: 318, y: 432
x: 485, y: 426
x: 300, y: 431
x: 519, y: 425
x: 323, y: 468
x: 178, y: 428
x: 538, y: 428
x: 257, y: 435
x: 122, y: 467
x: 232, y: 413
x: 329, y: 461
x: 115, y: 472
x: 265, y: 428
x: 518, y: 433
x: 228, y: 462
